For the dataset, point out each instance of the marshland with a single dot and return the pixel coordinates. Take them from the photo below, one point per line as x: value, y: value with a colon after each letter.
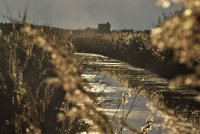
x: 62, y: 79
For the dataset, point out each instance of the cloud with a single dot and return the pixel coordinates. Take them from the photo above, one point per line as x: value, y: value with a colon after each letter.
x: 135, y: 14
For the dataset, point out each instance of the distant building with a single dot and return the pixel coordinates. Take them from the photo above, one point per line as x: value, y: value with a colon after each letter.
x: 104, y: 28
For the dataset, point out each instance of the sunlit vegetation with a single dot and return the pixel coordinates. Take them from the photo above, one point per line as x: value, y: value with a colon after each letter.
x: 135, y: 47
x: 40, y: 78
x: 119, y: 41
x: 180, y: 34
x: 42, y: 86
x: 132, y: 47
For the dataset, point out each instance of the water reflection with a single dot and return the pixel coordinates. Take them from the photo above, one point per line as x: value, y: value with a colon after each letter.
x: 176, y: 109
x: 111, y: 97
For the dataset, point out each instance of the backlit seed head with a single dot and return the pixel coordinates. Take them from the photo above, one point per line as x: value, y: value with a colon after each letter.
x: 188, y: 12
x: 61, y: 117
x: 164, y: 3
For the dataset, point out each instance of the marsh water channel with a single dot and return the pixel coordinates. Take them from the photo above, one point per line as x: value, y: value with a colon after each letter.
x: 132, y: 95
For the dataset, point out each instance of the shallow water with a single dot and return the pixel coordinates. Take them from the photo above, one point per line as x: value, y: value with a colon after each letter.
x: 110, y: 94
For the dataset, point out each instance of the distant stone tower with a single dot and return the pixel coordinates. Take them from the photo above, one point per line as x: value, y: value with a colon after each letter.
x: 104, y: 28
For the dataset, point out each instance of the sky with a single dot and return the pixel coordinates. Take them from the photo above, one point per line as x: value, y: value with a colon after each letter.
x: 79, y: 14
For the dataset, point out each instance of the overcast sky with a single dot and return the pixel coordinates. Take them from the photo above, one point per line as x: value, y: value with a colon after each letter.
x: 79, y: 14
